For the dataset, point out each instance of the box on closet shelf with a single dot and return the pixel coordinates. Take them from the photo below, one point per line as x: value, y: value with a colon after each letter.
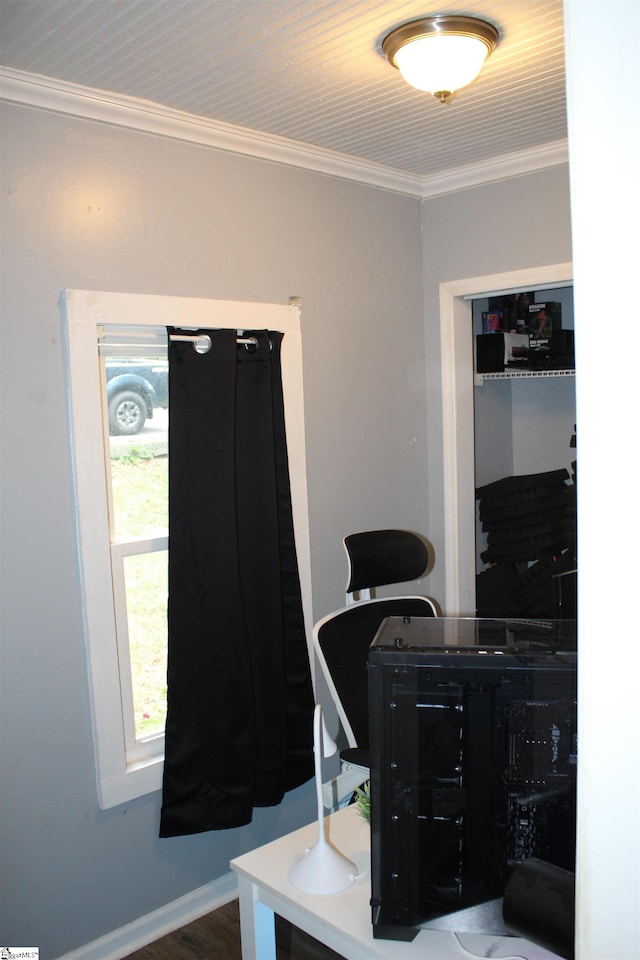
x: 495, y: 351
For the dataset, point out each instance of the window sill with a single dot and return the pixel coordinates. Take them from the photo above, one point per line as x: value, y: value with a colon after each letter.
x: 137, y: 780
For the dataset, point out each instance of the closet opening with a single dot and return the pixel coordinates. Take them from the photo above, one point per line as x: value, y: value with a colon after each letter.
x: 457, y: 350
x: 525, y: 454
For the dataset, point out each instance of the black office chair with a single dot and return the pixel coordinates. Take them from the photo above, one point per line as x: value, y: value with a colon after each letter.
x: 342, y: 638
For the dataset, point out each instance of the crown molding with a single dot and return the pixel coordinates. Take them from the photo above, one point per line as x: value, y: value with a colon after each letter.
x: 498, y: 168
x: 57, y: 96
x: 145, y: 116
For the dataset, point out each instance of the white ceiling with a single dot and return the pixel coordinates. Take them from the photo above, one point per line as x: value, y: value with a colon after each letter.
x: 307, y: 70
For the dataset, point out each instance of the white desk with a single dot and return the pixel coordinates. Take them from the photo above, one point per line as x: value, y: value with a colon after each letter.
x: 342, y: 920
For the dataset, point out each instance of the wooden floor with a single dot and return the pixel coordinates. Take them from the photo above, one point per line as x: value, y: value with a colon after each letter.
x: 216, y: 936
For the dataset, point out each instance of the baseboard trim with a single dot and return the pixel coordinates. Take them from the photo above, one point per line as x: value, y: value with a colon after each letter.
x: 137, y: 934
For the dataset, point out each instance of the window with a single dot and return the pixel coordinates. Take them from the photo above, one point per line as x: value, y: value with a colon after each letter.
x: 135, y: 395
x: 117, y: 377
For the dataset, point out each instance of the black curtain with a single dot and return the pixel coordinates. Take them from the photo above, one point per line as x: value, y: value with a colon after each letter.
x: 239, y: 730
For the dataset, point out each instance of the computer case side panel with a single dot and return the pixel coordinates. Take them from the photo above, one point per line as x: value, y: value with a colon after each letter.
x: 472, y: 754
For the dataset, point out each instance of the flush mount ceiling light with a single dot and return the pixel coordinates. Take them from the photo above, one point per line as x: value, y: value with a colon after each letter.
x: 440, y: 54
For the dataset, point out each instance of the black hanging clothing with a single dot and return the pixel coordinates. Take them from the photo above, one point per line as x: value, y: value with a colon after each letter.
x: 239, y: 730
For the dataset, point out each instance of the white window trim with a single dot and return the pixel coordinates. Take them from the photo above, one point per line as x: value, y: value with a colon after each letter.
x: 151, y: 747
x: 120, y: 779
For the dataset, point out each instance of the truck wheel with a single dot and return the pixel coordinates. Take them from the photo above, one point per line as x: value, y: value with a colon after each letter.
x: 127, y: 413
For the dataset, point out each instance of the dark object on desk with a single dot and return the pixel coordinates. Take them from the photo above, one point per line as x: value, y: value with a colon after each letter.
x: 539, y: 905
x: 473, y: 740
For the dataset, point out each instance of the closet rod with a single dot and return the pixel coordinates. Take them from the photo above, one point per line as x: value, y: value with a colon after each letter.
x: 202, y: 341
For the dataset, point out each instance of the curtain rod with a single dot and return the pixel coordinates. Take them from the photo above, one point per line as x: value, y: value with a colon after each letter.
x: 202, y: 342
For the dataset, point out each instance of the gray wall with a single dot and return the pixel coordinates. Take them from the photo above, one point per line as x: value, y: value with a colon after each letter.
x: 515, y: 224
x: 91, y: 206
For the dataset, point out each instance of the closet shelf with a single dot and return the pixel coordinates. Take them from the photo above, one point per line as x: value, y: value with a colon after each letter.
x: 479, y: 378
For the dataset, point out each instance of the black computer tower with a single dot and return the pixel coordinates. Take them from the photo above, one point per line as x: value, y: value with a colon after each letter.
x: 473, y: 740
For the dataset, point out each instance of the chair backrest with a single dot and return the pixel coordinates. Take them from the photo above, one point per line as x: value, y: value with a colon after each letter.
x: 378, y: 557
x: 342, y: 640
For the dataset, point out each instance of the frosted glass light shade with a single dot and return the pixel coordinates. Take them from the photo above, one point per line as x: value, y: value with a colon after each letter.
x: 441, y: 63
x: 440, y: 54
